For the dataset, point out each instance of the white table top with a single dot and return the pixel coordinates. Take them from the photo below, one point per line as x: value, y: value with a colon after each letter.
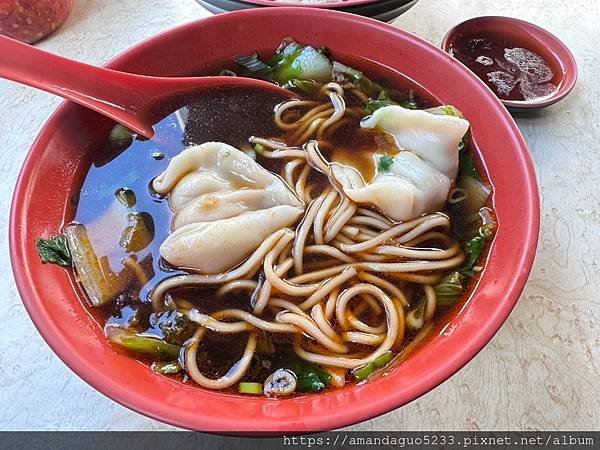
x: 540, y: 372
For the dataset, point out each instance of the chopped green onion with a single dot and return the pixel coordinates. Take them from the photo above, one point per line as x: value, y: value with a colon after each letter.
x: 363, y: 372
x: 385, y: 163
x: 259, y: 148
x: 145, y: 345
x: 383, y: 360
x: 411, y: 103
x: 251, y: 388
x: 149, y: 345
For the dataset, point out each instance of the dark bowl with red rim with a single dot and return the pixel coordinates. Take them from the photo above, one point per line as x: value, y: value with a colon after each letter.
x: 384, y: 10
x: 67, y: 144
x: 529, y: 36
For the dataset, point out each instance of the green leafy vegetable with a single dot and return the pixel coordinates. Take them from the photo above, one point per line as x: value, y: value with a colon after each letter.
x: 374, y: 105
x: 309, y: 382
x: 449, y: 289
x: 166, y: 368
x: 384, y: 163
x: 466, y: 163
x: 174, y: 326
x: 54, y: 250
x: 310, y: 378
x: 382, y: 100
x: 362, y: 373
x: 251, y: 388
x: 473, y: 248
x: 356, y: 77
x: 291, y: 63
x: 295, y: 61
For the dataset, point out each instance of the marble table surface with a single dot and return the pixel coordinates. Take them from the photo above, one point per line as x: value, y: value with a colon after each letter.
x: 540, y: 372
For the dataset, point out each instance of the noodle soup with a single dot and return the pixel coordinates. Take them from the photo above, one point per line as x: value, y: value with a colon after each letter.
x: 280, y: 247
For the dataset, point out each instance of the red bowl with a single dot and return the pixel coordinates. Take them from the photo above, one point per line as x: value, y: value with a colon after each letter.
x: 530, y: 36
x: 60, y: 157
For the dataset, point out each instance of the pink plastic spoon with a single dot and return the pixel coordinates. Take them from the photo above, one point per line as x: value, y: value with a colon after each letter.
x: 132, y: 100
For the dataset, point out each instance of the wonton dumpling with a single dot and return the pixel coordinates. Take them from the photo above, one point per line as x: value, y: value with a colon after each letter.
x: 214, y: 247
x: 410, y: 188
x: 225, y: 205
x: 434, y: 138
x: 420, y: 177
x: 202, y: 180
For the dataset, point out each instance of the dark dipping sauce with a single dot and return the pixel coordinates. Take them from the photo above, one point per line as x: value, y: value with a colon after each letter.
x: 230, y: 116
x: 510, y: 70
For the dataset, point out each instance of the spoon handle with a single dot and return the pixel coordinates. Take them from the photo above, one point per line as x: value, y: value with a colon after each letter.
x: 136, y: 101
x: 118, y: 95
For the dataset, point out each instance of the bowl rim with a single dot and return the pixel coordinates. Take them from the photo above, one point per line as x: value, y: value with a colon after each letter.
x: 564, y: 57
x: 147, y: 404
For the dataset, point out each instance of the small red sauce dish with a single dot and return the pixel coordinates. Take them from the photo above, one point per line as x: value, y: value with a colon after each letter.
x: 527, y: 67
x: 66, y: 146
